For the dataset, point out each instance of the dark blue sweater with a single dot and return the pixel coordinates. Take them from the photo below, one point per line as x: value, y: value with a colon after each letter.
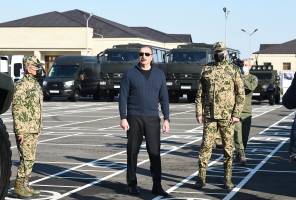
x: 141, y: 96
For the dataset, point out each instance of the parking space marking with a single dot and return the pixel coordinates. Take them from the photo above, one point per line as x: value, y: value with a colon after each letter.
x: 252, y: 172
x: 119, y: 172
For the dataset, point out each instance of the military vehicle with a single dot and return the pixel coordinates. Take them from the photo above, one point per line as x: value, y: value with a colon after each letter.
x: 115, y: 61
x: 71, y: 77
x: 184, y: 69
x: 6, y: 91
x: 268, y: 84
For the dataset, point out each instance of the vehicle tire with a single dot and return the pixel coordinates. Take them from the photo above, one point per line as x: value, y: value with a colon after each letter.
x: 46, y: 98
x: 271, y: 99
x: 277, y: 99
x: 191, y: 97
x: 96, y: 96
x: 5, y: 161
x: 110, y: 97
x: 75, y: 95
x: 174, y: 98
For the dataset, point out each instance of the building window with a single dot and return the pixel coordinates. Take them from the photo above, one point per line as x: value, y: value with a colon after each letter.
x: 286, y: 66
x: 49, y: 60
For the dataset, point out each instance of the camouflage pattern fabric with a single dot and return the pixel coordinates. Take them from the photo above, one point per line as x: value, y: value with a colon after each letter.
x: 211, y: 128
x: 33, y: 60
x: 220, y: 94
x: 27, y: 151
x: 27, y: 106
x: 219, y: 46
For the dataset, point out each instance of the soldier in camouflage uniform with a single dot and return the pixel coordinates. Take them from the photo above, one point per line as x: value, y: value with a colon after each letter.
x: 219, y: 102
x: 27, y: 121
x: 242, y: 129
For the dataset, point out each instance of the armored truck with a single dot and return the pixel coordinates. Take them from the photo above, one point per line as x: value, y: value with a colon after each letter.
x: 6, y: 92
x: 268, y: 84
x: 115, y: 61
x: 184, y: 69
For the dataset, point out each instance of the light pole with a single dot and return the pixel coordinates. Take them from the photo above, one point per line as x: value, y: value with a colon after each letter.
x: 226, y: 12
x: 250, y: 35
x: 86, y: 32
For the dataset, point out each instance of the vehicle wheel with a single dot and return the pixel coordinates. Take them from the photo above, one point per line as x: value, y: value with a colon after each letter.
x: 46, y: 98
x: 174, y: 99
x: 271, y: 99
x: 110, y: 97
x: 96, y: 96
x: 277, y: 99
x: 5, y: 161
x: 191, y: 97
x: 75, y: 95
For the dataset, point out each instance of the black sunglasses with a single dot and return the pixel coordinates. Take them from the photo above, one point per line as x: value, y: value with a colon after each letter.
x: 146, y: 54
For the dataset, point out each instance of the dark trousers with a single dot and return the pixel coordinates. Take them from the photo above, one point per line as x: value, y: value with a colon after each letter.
x: 150, y: 128
x: 246, y: 126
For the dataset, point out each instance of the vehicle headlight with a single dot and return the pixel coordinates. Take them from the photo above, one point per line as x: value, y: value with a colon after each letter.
x: 264, y: 87
x: 68, y: 83
x: 44, y: 83
x: 102, y: 82
x: 169, y: 83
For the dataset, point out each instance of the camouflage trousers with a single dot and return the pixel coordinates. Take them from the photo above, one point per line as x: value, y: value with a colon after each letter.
x: 211, y: 129
x: 27, y: 152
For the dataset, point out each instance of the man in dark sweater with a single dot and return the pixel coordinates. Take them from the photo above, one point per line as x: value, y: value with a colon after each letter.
x: 142, y: 89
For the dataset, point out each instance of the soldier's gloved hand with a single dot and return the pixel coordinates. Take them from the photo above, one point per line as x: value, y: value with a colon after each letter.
x: 20, y: 138
x: 124, y: 124
x: 199, y: 119
x: 234, y: 120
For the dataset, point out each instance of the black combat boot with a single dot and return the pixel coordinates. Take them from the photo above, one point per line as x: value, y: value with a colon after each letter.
x: 201, y: 179
x: 242, y: 157
x: 228, y: 185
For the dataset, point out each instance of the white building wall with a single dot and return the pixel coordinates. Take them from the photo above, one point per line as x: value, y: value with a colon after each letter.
x: 276, y: 60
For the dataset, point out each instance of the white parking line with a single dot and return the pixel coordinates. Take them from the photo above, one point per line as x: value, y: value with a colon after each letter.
x: 119, y: 172
x: 196, y: 173
x: 253, y: 171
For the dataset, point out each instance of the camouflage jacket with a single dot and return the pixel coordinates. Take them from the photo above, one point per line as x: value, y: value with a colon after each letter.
x: 27, y: 106
x: 220, y: 94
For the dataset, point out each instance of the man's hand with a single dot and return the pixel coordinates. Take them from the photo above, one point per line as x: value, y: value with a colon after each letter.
x: 234, y: 120
x: 124, y: 124
x: 20, y: 138
x: 166, y: 126
x: 199, y: 119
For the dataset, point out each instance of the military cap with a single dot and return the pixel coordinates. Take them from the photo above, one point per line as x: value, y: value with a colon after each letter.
x: 219, y: 46
x: 32, y: 60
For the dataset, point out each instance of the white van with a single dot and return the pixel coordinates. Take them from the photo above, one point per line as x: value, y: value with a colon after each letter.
x: 4, y: 66
x: 16, y: 67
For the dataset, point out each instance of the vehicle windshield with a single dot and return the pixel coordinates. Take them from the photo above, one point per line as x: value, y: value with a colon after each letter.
x: 191, y: 56
x: 263, y: 75
x: 63, y: 70
x: 125, y: 56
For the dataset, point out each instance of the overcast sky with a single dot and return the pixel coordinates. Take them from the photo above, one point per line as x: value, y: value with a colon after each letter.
x: 203, y: 19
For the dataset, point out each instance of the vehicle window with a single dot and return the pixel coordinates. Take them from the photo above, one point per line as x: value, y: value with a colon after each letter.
x: 17, y: 69
x: 263, y: 75
x: 63, y: 70
x: 155, y: 58
x: 122, y: 56
x: 196, y: 56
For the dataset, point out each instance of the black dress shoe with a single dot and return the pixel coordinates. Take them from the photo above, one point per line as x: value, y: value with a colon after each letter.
x: 158, y: 190
x: 133, y: 190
